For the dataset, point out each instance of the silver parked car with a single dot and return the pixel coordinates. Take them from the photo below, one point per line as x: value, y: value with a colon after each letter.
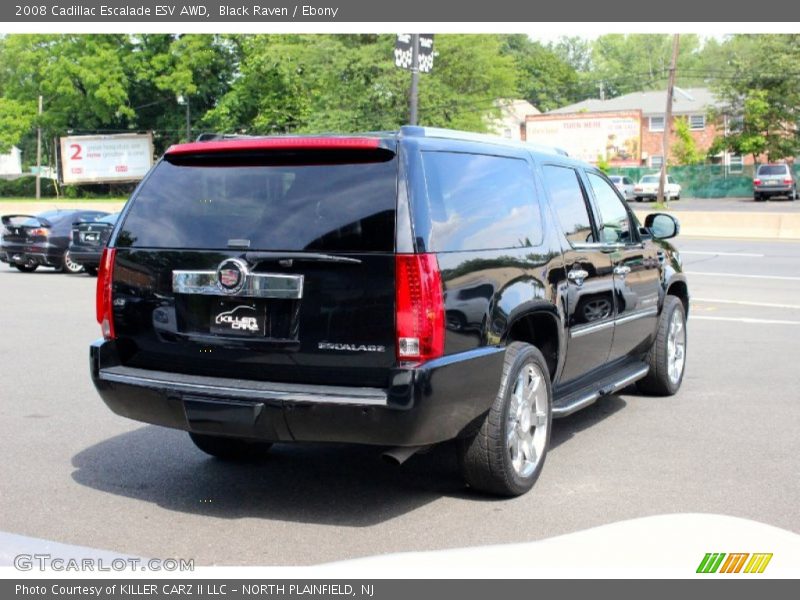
x: 624, y: 184
x: 774, y: 180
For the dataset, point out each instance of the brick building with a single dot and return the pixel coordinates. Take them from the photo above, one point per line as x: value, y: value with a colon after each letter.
x: 692, y: 104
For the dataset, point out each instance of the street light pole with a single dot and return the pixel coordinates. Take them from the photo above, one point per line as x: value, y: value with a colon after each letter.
x: 188, y: 121
x: 39, y: 154
x: 414, y: 95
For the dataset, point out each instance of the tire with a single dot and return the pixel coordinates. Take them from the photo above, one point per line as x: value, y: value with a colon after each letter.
x: 69, y: 266
x: 230, y: 449
x: 494, y: 460
x: 667, y: 355
x: 91, y: 271
x: 757, y: 197
x: 638, y: 198
x: 25, y: 268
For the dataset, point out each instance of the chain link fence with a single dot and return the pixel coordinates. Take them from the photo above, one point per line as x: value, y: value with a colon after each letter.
x: 705, y: 181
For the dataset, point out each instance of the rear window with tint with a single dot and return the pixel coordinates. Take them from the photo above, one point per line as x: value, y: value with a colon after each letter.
x: 292, y: 207
x: 773, y: 170
x: 478, y: 202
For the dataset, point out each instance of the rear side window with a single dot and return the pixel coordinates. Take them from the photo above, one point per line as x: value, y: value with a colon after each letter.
x: 478, y: 202
x: 567, y: 197
x: 292, y: 207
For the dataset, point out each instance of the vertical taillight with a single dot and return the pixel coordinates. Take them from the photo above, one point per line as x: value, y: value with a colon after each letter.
x: 420, y: 307
x: 105, y: 275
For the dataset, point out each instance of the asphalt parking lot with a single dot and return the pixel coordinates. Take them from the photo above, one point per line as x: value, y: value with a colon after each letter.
x: 75, y: 473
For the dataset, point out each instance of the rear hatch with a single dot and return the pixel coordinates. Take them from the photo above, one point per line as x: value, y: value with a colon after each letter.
x: 266, y: 260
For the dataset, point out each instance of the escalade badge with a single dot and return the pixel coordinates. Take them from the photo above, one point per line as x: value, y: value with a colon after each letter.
x: 351, y: 347
x: 231, y: 275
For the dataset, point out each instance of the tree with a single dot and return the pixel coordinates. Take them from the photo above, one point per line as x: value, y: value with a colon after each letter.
x: 759, y: 90
x: 684, y: 149
x: 305, y: 83
x: 544, y: 78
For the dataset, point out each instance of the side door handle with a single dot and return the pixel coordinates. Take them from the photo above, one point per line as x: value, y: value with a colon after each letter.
x: 622, y: 270
x: 577, y: 276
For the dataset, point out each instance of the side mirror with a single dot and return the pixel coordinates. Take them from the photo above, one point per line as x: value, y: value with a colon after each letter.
x: 662, y: 226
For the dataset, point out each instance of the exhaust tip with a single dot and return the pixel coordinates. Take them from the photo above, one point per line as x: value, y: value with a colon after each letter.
x: 397, y: 456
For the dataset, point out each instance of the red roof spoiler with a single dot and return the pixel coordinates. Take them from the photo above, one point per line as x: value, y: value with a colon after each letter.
x: 275, y: 143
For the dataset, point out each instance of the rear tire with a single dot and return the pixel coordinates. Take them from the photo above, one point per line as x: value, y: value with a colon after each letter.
x: 25, y: 268
x: 230, y: 449
x: 69, y: 266
x: 91, y: 271
x: 757, y: 198
x: 667, y: 355
x: 506, y: 455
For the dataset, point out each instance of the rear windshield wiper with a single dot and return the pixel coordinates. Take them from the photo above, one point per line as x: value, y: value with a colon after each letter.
x: 254, y: 258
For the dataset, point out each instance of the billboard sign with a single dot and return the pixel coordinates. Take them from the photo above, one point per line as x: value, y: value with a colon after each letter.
x: 106, y: 158
x: 613, y: 136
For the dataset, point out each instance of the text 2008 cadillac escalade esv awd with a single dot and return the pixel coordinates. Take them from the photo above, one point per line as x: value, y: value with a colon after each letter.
x: 395, y: 289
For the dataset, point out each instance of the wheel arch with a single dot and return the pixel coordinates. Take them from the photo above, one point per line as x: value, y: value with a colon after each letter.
x: 540, y: 326
x: 677, y: 287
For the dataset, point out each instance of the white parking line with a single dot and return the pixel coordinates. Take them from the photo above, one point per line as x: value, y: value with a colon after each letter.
x: 745, y: 303
x: 746, y: 254
x: 745, y: 320
x: 740, y: 276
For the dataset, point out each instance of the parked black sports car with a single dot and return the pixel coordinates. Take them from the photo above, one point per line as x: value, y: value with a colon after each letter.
x: 88, y: 240
x: 42, y: 240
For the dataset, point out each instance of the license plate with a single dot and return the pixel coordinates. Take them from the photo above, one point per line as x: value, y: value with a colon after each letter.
x: 229, y: 318
x: 91, y: 237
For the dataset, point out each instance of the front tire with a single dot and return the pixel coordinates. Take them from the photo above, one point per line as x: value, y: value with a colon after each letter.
x: 230, y: 449
x: 506, y: 455
x: 667, y: 355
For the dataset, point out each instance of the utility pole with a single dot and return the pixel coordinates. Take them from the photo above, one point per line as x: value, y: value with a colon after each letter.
x: 414, y: 95
x: 39, y: 154
x: 668, y: 119
x: 188, y: 120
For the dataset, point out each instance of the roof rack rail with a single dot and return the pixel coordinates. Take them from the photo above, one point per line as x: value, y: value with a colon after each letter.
x: 437, y: 132
x: 215, y: 137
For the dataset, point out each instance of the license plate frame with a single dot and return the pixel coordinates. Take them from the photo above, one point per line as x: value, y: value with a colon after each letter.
x: 239, y: 319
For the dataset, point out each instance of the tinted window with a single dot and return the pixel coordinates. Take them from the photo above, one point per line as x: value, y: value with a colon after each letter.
x: 650, y: 179
x: 109, y: 219
x: 568, y: 200
x: 614, y: 225
x: 773, y: 170
x: 479, y: 202
x: 317, y: 207
x: 627, y: 181
x: 615, y: 178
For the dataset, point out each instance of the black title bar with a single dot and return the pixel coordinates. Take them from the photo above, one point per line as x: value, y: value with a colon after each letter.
x: 343, y: 11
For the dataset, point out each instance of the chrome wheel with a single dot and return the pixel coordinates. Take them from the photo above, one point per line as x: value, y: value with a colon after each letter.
x: 676, y: 347
x: 526, y: 424
x: 70, y: 265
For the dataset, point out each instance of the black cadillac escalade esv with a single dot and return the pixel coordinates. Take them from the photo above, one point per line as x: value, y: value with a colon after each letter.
x: 395, y: 289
